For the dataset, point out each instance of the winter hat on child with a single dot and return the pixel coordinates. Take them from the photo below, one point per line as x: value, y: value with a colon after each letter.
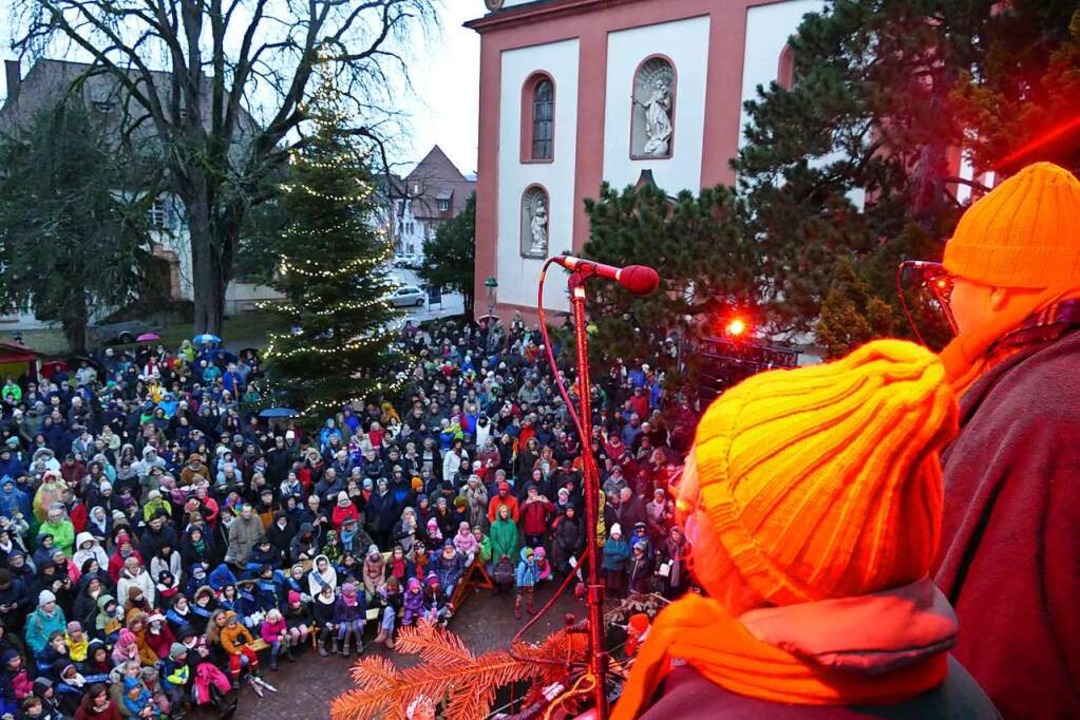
x: 825, y: 482
x: 348, y: 589
x: 1023, y: 234
x: 45, y: 597
x: 176, y: 650
x: 294, y: 597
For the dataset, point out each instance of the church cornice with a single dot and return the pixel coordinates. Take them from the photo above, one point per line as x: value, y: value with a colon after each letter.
x: 536, y: 11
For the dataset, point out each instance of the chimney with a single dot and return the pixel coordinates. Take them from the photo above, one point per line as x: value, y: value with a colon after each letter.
x: 13, y: 73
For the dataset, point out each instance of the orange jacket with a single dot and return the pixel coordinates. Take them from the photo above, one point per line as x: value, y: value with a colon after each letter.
x: 235, y: 637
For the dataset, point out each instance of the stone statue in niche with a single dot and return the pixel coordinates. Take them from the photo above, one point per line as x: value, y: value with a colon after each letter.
x: 538, y: 228
x: 658, y: 120
x: 653, y: 129
x: 534, y: 223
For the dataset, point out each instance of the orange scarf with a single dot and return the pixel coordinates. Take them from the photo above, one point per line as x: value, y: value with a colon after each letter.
x: 968, y: 356
x: 723, y: 649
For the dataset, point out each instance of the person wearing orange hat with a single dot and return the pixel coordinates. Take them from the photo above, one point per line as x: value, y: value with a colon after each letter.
x: 1010, y: 560
x: 812, y: 501
x: 503, y: 498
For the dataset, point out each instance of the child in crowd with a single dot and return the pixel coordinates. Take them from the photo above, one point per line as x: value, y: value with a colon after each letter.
x: 275, y: 633
x: 298, y: 619
x: 349, y: 615
x: 413, y: 602
x: 526, y: 577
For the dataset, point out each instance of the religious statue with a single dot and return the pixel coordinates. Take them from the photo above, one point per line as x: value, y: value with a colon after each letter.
x: 658, y: 127
x: 538, y: 229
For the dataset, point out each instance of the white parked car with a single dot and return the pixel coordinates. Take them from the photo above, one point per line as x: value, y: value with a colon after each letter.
x: 408, y: 296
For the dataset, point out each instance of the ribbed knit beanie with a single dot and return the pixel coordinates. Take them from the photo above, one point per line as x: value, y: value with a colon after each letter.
x: 1025, y: 233
x: 825, y: 482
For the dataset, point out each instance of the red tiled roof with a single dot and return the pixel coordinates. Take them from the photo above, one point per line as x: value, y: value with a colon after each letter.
x: 436, y: 178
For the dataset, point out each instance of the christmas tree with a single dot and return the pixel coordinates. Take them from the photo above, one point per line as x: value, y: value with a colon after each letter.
x: 332, y: 269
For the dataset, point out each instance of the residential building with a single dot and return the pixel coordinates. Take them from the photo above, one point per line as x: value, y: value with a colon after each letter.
x: 434, y: 192
x: 46, y: 84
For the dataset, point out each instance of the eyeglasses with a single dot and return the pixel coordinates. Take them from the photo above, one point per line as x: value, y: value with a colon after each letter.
x: 938, y: 280
x: 933, y: 277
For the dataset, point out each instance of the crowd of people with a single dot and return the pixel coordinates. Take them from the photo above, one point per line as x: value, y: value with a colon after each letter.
x: 160, y: 544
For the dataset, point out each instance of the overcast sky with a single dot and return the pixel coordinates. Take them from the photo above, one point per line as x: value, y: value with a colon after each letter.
x: 448, y: 85
x: 446, y: 79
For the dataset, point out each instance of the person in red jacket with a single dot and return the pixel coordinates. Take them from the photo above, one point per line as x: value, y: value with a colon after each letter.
x: 1010, y: 561
x: 536, y: 514
x: 344, y: 510
x: 96, y: 705
x: 503, y: 497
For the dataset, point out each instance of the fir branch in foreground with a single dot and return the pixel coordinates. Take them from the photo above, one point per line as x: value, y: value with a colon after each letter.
x: 450, y: 674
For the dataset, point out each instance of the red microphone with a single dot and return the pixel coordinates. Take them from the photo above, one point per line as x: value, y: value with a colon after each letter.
x: 638, y: 279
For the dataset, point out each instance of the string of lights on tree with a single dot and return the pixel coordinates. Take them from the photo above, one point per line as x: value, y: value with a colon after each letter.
x: 331, y: 268
x: 299, y: 231
x: 352, y: 267
x: 287, y: 188
x: 344, y: 306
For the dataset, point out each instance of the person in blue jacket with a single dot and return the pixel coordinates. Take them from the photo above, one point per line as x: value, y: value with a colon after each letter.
x: 43, y: 622
x: 525, y: 579
x: 616, y: 560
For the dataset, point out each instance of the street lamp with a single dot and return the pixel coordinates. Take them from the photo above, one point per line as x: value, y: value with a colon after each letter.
x: 492, y: 285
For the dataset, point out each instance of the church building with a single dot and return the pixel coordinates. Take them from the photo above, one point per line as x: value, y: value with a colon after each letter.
x: 577, y: 92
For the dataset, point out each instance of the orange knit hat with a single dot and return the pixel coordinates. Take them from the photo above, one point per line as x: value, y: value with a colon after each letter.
x: 1023, y: 234
x: 825, y: 482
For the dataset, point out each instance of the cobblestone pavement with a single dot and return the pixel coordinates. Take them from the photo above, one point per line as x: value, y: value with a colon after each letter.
x: 307, y: 685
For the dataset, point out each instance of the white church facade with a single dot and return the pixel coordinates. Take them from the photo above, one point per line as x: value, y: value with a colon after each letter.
x: 577, y: 92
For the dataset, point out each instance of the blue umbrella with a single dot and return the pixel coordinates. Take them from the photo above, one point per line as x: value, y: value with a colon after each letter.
x: 279, y: 412
x: 206, y: 338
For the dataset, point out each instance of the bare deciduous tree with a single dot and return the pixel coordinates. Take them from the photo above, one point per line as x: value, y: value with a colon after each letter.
x: 218, y: 87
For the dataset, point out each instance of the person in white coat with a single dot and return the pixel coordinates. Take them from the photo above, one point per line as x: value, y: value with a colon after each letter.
x: 88, y: 548
x: 134, y: 574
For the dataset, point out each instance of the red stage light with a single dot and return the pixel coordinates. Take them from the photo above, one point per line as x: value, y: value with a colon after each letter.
x: 736, y: 327
x: 1053, y: 145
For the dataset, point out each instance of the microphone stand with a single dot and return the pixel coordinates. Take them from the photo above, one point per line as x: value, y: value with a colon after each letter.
x: 594, y: 595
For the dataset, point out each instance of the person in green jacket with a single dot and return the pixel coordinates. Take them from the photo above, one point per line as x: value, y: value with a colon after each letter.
x: 504, y: 536
x: 43, y: 622
x: 484, y: 542
x: 11, y: 390
x: 58, y: 525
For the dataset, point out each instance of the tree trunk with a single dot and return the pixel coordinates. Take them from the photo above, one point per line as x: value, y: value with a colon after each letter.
x: 75, y: 326
x: 470, y: 306
x: 207, y: 275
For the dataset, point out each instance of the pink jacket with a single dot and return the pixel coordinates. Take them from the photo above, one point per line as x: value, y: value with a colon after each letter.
x: 271, y: 632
